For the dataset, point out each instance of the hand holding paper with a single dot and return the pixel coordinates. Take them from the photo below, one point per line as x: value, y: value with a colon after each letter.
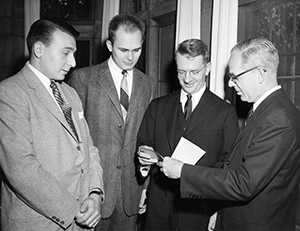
x: 185, y: 152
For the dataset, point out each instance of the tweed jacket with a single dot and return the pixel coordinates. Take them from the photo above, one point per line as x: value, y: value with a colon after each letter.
x: 114, y: 137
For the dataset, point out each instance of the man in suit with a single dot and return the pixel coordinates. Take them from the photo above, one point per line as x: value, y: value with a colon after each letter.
x: 52, y: 172
x: 260, y: 177
x: 212, y: 125
x: 113, y: 125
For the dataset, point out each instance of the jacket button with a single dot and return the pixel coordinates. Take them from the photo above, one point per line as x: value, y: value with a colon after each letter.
x: 118, y: 167
x: 62, y: 222
x: 54, y: 217
x: 227, y: 162
x: 78, y: 148
x: 119, y: 125
x: 82, y: 171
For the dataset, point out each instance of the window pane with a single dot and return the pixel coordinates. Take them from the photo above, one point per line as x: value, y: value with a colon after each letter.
x: 70, y: 10
x: 279, y: 21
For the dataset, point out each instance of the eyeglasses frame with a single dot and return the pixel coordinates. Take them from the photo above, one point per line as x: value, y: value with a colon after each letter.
x: 234, y: 77
x: 196, y: 72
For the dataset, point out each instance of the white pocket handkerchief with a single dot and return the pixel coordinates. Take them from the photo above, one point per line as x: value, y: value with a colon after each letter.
x: 80, y: 115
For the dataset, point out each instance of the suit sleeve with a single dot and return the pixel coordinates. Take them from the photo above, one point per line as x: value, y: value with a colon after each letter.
x: 31, y: 182
x: 230, y: 132
x: 96, y: 171
x: 146, y: 131
x: 258, y: 163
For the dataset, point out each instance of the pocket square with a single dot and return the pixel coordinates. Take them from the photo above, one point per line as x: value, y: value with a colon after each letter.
x: 80, y: 115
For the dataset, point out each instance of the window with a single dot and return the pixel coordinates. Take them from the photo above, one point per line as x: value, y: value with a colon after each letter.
x: 279, y: 21
x: 68, y: 10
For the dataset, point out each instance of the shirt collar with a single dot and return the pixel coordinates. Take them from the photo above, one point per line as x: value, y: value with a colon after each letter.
x: 264, y: 96
x: 195, y: 97
x: 43, y: 78
x: 115, y: 70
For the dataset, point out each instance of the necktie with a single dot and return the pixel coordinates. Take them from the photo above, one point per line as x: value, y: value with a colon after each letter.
x: 67, y: 110
x: 124, y: 99
x: 188, y: 106
x: 248, y: 116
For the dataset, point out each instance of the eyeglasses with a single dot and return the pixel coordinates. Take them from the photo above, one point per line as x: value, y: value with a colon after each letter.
x: 194, y: 73
x: 233, y: 77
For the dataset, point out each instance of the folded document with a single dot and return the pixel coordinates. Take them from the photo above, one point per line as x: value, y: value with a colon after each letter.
x: 187, y: 152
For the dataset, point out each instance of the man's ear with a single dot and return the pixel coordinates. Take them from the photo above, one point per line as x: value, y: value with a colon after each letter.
x: 109, y: 45
x: 207, y: 68
x: 261, y: 75
x: 38, y: 49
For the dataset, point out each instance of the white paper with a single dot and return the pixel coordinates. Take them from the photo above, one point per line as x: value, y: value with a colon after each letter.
x: 187, y: 152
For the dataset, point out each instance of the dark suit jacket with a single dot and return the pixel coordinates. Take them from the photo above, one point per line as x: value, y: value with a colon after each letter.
x: 213, y: 127
x: 115, y: 139
x: 48, y: 173
x: 261, y: 174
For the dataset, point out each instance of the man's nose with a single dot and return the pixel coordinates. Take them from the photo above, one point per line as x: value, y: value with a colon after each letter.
x: 231, y: 83
x: 130, y: 55
x: 72, y: 61
x: 187, y: 77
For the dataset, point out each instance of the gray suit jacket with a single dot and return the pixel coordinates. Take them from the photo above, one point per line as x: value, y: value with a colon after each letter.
x: 48, y: 173
x: 115, y: 139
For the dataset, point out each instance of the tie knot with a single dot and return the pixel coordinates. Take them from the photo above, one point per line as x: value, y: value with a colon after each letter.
x: 124, y: 72
x: 53, y: 84
x: 189, y: 96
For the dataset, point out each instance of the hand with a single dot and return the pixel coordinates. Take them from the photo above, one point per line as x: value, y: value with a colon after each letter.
x: 90, y: 211
x: 212, y: 222
x: 147, y: 156
x: 142, y: 205
x: 171, y: 167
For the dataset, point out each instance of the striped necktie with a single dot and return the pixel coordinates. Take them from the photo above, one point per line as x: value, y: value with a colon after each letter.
x: 124, y: 98
x: 67, y: 110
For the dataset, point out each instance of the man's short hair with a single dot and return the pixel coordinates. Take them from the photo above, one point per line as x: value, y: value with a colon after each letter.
x: 192, y: 48
x: 43, y: 29
x: 130, y: 23
x: 257, y: 52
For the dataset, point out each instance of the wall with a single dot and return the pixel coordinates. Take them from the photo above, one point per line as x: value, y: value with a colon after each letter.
x: 11, y: 37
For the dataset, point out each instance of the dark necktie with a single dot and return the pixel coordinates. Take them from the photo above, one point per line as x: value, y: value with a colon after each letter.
x: 67, y: 110
x: 188, y: 106
x: 124, y: 98
x: 248, y: 116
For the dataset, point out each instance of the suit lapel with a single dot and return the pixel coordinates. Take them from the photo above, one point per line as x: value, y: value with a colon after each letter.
x: 250, y: 122
x: 170, y: 116
x: 44, y: 97
x: 108, y: 85
x: 200, y: 112
x: 136, y: 94
x: 71, y: 104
